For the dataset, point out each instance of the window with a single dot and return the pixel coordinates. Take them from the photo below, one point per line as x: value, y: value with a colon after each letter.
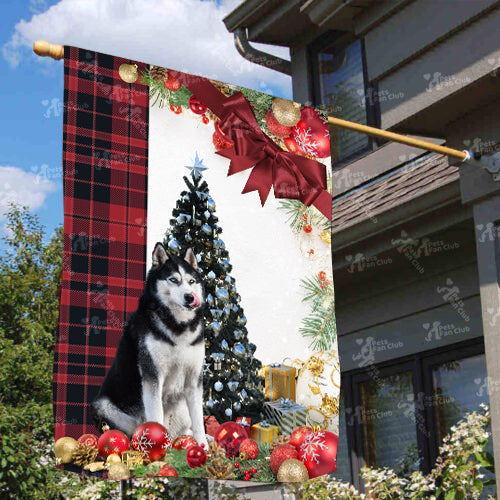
x: 397, y: 413
x: 339, y: 85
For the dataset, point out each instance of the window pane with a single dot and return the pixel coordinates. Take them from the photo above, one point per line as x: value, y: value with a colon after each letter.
x: 342, y: 90
x: 459, y: 387
x: 343, y: 472
x: 389, y: 427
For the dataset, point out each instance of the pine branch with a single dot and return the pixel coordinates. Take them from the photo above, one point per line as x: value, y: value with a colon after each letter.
x: 320, y: 327
x: 295, y: 210
x: 161, y: 96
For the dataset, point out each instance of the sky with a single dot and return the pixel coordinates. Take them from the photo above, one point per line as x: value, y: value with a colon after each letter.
x: 187, y: 35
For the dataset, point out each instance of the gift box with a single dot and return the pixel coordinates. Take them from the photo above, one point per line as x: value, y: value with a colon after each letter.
x: 211, y: 425
x: 286, y: 414
x: 246, y: 423
x: 280, y: 381
x: 264, y: 432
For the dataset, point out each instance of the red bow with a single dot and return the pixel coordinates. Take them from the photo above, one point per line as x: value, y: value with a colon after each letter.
x: 291, y: 176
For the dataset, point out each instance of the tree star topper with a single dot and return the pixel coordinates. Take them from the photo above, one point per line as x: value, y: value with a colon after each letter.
x: 197, y: 167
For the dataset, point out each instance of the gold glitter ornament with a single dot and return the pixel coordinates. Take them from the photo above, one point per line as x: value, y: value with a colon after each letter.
x: 118, y: 470
x: 128, y: 72
x: 286, y: 112
x: 329, y: 406
x: 64, y: 449
x: 113, y: 459
x: 315, y: 365
x: 326, y: 237
x: 292, y: 471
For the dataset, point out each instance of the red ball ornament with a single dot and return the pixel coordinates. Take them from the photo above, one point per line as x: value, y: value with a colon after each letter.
x: 89, y: 440
x: 319, y: 453
x: 311, y: 134
x: 221, y: 141
x: 281, y: 453
x: 292, y: 146
x: 176, y: 109
x: 205, y: 119
x: 168, y: 471
x: 196, y: 456
x: 183, y: 442
x: 152, y: 439
x: 250, y: 447
x: 298, y: 436
x: 112, y: 441
x: 230, y: 436
x: 307, y: 228
x: 171, y: 83
x: 275, y: 126
x: 196, y: 106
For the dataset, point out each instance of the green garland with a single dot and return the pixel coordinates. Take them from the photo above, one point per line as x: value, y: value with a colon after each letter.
x: 295, y: 210
x: 320, y: 324
x: 161, y: 96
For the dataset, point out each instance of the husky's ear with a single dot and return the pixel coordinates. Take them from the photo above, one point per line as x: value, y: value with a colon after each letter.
x: 190, y: 258
x: 159, y: 255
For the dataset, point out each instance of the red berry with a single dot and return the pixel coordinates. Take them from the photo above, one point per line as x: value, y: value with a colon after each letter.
x: 327, y: 282
x: 205, y: 119
x: 245, y: 472
x: 237, y: 465
x: 307, y: 228
x: 304, y: 217
x: 322, y: 285
x: 253, y: 471
x: 246, y: 478
x: 322, y: 275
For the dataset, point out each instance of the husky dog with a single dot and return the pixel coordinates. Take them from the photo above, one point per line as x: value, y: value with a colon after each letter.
x: 157, y: 373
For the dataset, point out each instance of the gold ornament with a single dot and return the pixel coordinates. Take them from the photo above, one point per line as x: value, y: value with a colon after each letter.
x: 292, y: 471
x: 158, y: 74
x: 243, y: 456
x: 279, y: 440
x: 326, y: 237
x: 113, y: 459
x: 64, y: 449
x: 220, y: 469
x: 329, y: 406
x: 84, y: 454
x: 128, y: 72
x: 132, y: 458
x: 286, y: 112
x: 118, y: 470
x: 95, y: 466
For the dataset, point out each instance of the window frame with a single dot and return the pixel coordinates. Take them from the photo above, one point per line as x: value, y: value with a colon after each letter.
x: 420, y: 364
x: 338, y: 39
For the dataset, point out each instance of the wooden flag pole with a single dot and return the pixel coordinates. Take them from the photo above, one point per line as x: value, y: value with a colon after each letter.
x: 45, y: 49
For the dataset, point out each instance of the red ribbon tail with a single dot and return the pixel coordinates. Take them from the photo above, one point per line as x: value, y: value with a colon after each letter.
x: 323, y: 203
x: 261, y: 180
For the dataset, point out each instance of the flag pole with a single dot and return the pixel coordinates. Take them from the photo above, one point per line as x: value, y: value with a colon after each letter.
x: 45, y: 49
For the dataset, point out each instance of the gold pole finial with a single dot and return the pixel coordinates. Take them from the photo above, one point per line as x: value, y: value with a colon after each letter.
x: 43, y: 48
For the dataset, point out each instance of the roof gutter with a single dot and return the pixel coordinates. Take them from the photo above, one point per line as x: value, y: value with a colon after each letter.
x: 257, y: 56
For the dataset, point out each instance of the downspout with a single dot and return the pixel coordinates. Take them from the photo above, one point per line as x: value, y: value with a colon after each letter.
x: 257, y: 56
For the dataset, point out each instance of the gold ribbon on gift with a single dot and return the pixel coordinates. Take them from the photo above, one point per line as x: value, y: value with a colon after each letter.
x: 296, y: 363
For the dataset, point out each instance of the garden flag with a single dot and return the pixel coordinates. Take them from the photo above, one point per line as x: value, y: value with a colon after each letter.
x: 196, y: 328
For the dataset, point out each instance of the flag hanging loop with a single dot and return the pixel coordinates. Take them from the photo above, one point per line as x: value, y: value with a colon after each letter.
x: 43, y: 48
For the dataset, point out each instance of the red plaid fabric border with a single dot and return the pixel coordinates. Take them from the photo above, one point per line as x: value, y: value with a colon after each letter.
x: 105, y: 163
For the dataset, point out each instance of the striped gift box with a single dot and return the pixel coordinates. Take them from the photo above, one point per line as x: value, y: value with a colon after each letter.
x: 286, y: 414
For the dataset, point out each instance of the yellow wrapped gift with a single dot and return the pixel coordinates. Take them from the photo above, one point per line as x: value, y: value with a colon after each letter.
x: 264, y: 432
x: 280, y: 381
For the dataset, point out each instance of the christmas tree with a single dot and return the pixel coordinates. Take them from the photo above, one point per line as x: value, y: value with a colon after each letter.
x: 232, y: 386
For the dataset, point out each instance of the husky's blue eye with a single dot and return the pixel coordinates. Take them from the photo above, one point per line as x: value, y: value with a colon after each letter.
x: 173, y: 280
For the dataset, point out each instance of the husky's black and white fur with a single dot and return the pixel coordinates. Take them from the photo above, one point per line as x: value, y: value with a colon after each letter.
x: 157, y: 373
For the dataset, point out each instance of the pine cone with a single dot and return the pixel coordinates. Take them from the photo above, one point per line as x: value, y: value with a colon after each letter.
x: 84, y: 455
x: 220, y: 469
x: 215, y: 451
x: 278, y: 441
x: 158, y: 74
